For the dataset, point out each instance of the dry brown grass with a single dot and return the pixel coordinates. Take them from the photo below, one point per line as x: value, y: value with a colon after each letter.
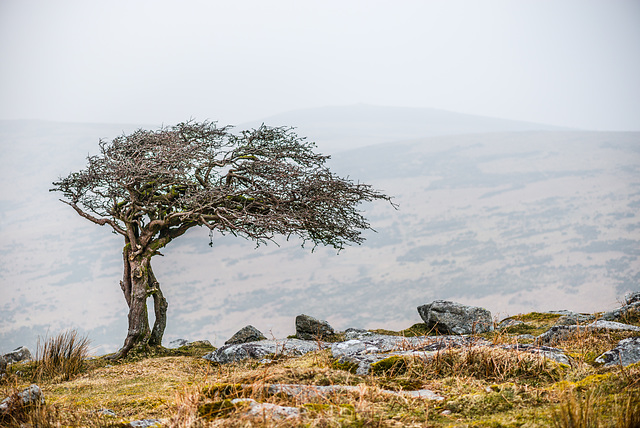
x: 482, y: 387
x: 62, y: 356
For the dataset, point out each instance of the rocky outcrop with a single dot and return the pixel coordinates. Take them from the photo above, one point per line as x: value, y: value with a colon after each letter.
x: 309, y: 328
x: 622, y: 314
x: 560, y: 332
x: 259, y: 350
x: 632, y: 298
x: 245, y: 335
x: 364, y: 352
x: 448, y: 317
x: 575, y: 319
x: 17, y: 355
x: 367, y: 349
x: 625, y: 353
x: 630, y: 309
x: 18, y: 402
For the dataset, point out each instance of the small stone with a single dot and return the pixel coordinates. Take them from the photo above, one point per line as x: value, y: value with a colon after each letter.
x: 356, y: 333
x: 632, y: 297
x: 272, y: 411
x: 245, y: 335
x: 625, y: 353
x: 309, y: 328
x: 178, y: 343
x: 454, y: 318
x: 17, y: 355
x: 29, y: 396
x: 144, y: 423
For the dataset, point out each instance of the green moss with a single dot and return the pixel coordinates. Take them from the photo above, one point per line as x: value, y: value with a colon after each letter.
x: 524, y: 329
x: 390, y: 366
x: 342, y: 408
x: 345, y: 365
x: 416, y: 330
x: 537, y: 317
x: 224, y: 391
x: 211, y: 411
x: 157, y: 244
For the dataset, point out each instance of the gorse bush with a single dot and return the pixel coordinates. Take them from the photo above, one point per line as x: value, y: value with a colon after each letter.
x: 61, y: 356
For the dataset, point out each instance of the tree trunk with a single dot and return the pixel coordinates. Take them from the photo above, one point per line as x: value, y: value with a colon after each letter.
x: 139, y: 333
x: 160, y: 307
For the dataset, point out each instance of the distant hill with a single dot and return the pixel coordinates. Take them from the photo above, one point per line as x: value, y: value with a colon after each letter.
x: 512, y: 220
x: 339, y: 128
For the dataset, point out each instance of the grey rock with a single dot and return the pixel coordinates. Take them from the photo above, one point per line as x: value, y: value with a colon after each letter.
x: 556, y: 333
x: 144, y: 423
x: 632, y: 297
x: 178, y: 343
x: 245, y: 335
x: 509, y: 322
x: 356, y: 333
x: 259, y: 350
x: 106, y: 412
x: 560, y: 312
x: 559, y: 332
x: 611, y: 325
x: 454, y: 318
x: 575, y: 319
x: 271, y: 411
x: 525, y: 337
x: 372, y: 348
x: 626, y: 352
x: 554, y: 354
x: 27, y: 397
x: 17, y: 355
x: 309, y: 328
x: 623, y: 312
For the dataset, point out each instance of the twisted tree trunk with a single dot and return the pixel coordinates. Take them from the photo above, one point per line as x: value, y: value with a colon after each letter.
x: 138, y: 284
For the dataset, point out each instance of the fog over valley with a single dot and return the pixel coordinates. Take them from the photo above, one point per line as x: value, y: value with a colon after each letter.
x: 515, y: 218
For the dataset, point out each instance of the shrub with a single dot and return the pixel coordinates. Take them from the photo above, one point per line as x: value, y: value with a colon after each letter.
x: 61, y: 356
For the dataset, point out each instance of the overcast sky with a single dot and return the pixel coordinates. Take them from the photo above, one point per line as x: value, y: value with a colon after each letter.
x: 570, y: 63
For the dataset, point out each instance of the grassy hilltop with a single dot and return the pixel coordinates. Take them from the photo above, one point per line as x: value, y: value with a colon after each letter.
x: 482, y: 387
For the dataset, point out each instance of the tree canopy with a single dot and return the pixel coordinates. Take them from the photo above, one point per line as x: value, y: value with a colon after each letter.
x: 152, y: 186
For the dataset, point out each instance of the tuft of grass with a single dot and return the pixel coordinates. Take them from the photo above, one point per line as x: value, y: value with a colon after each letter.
x: 61, y: 357
x: 575, y: 412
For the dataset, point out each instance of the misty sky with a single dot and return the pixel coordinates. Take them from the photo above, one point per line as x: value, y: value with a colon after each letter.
x: 569, y: 63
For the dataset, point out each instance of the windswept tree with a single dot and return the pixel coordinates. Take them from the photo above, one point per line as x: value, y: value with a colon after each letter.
x: 153, y: 186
